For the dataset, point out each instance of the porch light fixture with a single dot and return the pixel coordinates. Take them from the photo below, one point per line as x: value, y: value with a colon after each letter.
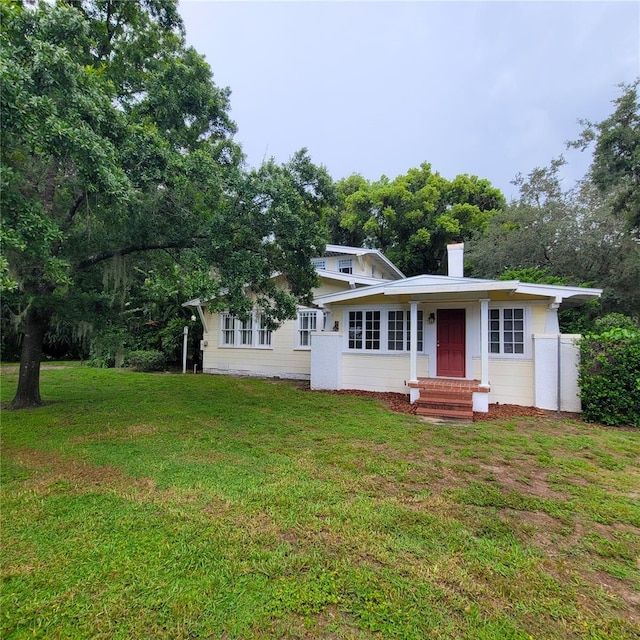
x: 432, y: 318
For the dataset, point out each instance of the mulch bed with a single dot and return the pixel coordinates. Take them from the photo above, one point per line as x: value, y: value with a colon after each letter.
x: 399, y: 403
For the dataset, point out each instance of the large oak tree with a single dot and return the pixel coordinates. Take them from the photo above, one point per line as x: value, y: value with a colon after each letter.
x: 117, y: 143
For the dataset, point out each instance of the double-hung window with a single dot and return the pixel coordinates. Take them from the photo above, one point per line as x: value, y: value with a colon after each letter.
x: 396, y: 330
x: 243, y: 333
x: 345, y: 265
x: 319, y: 263
x: 264, y: 334
x: 307, y: 322
x: 228, y: 329
x: 506, y: 330
x: 246, y: 332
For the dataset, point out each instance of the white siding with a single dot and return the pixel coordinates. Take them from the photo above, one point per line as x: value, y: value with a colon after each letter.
x: 511, y: 380
x: 329, y: 286
x: 538, y: 318
x: 370, y: 372
x: 282, y: 360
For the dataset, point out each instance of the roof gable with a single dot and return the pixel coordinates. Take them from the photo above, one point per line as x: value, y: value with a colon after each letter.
x: 337, y: 250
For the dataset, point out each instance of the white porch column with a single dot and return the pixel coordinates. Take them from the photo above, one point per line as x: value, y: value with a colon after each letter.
x: 484, y: 342
x: 413, y: 341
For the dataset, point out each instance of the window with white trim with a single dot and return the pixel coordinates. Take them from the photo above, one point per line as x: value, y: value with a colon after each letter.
x: 386, y: 331
x: 307, y: 323
x: 319, y: 263
x: 399, y: 330
x: 506, y: 330
x: 228, y: 329
x: 243, y: 333
x: 364, y: 330
x: 246, y: 332
x: 395, y: 331
x: 345, y: 265
x: 264, y: 334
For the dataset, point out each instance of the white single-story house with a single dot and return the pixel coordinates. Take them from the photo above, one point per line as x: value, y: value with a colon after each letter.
x: 453, y: 344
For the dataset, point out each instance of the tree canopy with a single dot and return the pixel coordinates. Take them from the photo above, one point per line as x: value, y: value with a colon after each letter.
x: 615, y: 169
x: 413, y: 217
x: 117, y: 143
x: 586, y: 235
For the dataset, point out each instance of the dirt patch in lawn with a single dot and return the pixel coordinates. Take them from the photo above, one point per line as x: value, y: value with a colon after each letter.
x: 524, y: 479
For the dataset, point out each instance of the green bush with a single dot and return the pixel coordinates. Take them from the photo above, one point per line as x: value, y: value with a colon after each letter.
x: 100, y: 362
x: 609, y: 375
x: 146, y: 360
x: 109, y: 347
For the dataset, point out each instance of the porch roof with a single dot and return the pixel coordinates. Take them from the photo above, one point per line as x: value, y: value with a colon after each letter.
x: 353, y: 280
x: 432, y: 286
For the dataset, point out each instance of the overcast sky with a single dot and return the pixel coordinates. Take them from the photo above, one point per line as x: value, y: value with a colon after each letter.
x: 485, y: 88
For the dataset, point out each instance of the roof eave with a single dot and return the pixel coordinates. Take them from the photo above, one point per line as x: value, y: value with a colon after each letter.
x: 462, y: 285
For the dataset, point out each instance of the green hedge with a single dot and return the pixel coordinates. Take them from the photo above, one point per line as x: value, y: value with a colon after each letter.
x: 609, y: 375
x: 146, y: 360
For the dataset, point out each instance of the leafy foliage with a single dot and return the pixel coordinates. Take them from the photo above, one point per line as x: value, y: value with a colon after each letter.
x: 413, y: 217
x: 615, y: 170
x: 609, y: 375
x: 565, y: 237
x: 109, y: 347
x: 145, y: 361
x: 533, y: 275
x: 118, y: 146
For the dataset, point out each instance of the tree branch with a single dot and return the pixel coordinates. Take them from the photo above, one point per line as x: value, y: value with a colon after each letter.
x: 74, y: 210
x: 141, y: 248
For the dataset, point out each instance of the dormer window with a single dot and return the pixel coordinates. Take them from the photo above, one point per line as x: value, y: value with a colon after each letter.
x: 345, y: 265
x: 319, y: 263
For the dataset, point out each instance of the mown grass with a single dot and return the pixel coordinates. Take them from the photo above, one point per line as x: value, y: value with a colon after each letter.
x: 170, y: 506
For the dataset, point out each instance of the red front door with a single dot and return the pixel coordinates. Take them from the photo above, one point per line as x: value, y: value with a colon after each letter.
x: 450, y: 356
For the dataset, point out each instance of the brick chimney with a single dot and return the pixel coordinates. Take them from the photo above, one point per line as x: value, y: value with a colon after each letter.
x: 455, y: 260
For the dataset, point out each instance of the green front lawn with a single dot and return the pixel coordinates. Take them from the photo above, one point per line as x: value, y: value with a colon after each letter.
x: 171, y: 506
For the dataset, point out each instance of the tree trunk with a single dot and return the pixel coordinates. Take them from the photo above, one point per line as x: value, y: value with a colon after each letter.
x: 28, y: 393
